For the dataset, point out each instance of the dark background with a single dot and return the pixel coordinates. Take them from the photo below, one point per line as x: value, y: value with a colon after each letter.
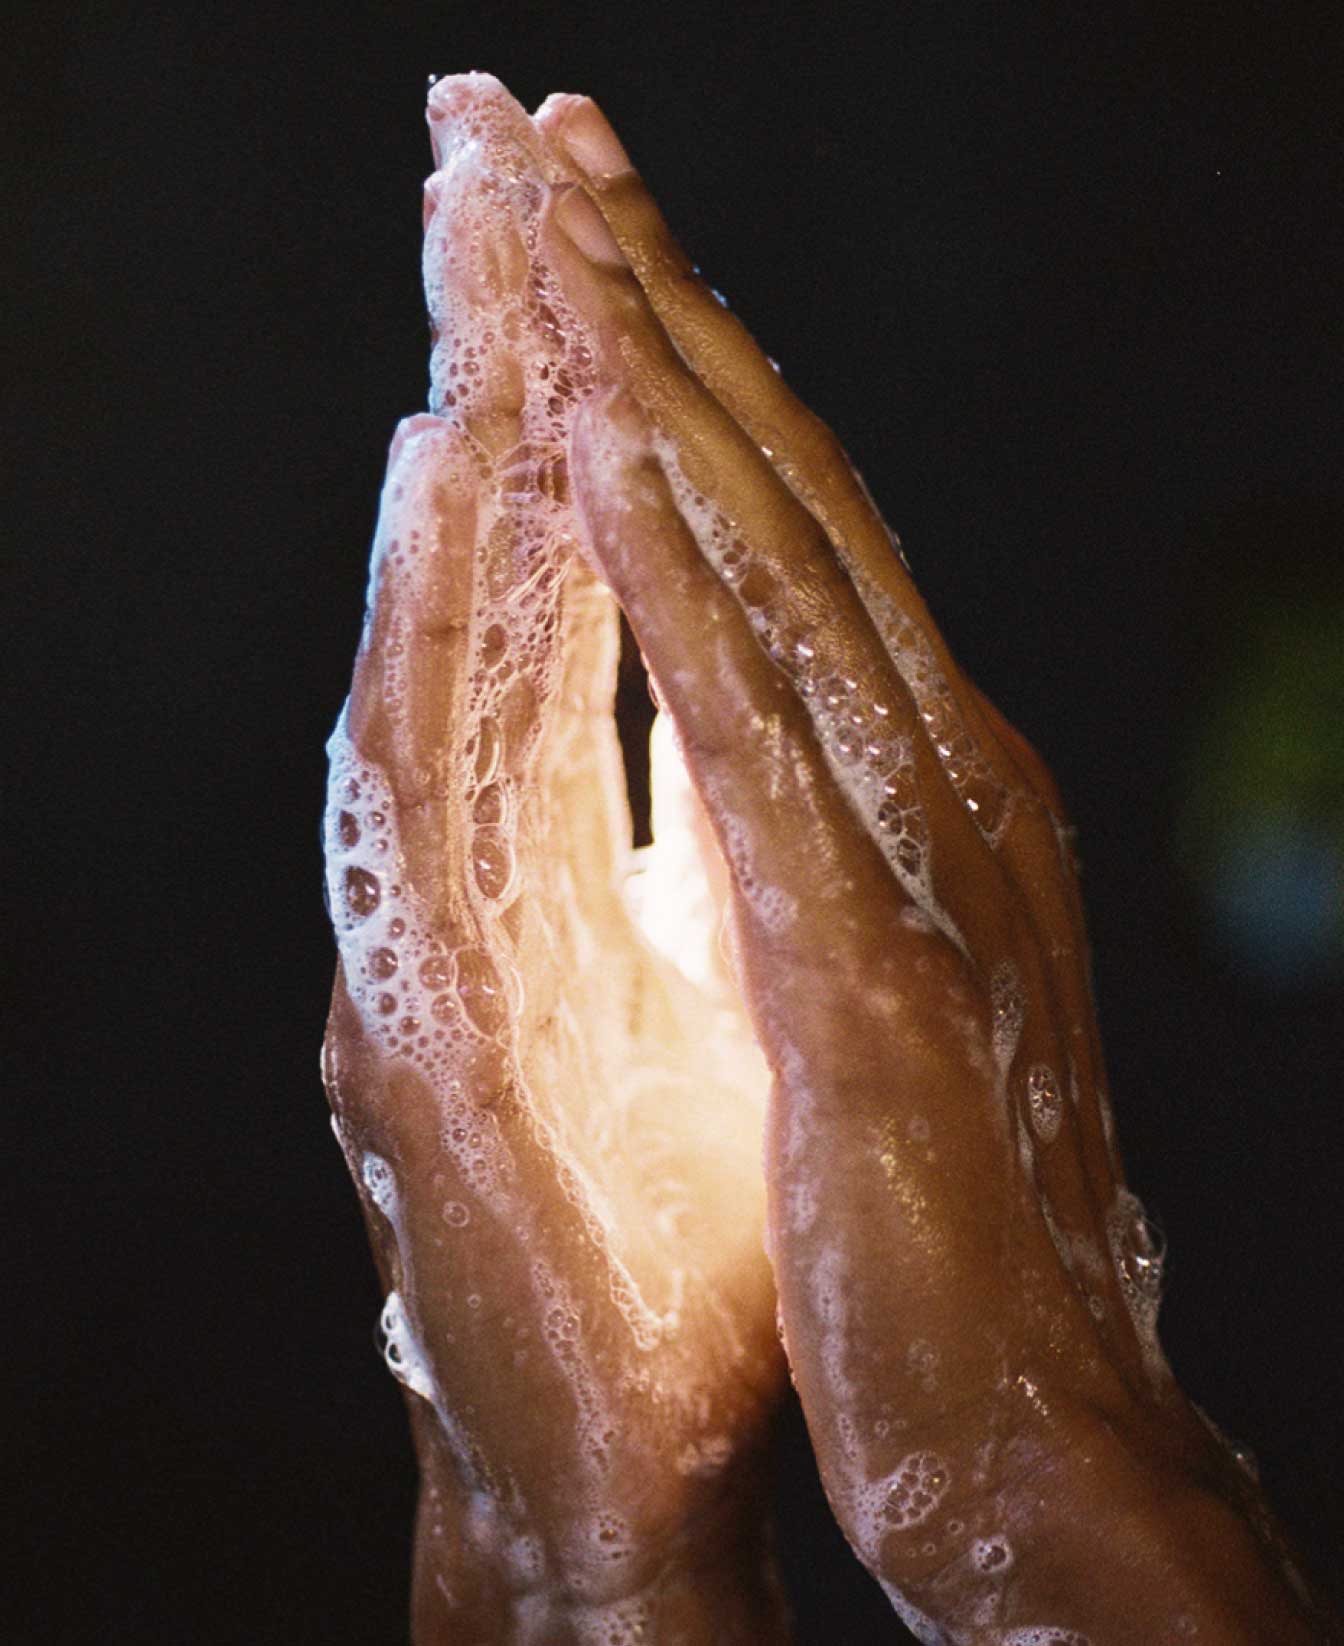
x: 1066, y: 280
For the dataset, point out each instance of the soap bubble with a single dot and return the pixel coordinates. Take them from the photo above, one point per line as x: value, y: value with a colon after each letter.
x: 362, y: 892
x: 1044, y: 1103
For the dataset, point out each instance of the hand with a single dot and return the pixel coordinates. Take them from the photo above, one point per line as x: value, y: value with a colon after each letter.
x: 554, y: 1128
x: 968, y: 1288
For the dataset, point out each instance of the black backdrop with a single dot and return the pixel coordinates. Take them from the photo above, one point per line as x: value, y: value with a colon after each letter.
x: 1066, y: 281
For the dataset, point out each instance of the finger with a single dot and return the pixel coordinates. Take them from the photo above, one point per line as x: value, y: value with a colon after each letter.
x: 392, y: 755
x: 999, y: 777
x: 989, y: 759
x: 815, y: 887
x: 479, y: 206
x: 802, y: 606
x: 542, y: 788
x: 406, y: 720
x: 720, y: 350
x: 713, y: 341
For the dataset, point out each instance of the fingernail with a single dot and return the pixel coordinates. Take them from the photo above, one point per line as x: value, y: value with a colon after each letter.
x: 591, y: 142
x: 581, y: 221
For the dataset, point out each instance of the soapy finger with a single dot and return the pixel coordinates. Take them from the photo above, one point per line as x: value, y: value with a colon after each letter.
x: 391, y: 757
x: 798, y: 602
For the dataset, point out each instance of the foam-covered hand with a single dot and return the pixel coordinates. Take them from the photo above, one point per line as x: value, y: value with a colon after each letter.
x: 968, y: 1289
x: 555, y: 1128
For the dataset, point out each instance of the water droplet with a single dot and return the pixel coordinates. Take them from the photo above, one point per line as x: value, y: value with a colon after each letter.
x: 889, y: 817
x: 382, y: 963
x: 991, y: 1554
x: 347, y: 830
x: 401, y: 1351
x: 489, y: 807
x: 909, y: 855
x: 494, y: 643
x: 758, y: 587
x: 899, y: 786
x: 492, y: 862
x: 436, y: 971
x: 481, y: 990
x: 456, y: 1215
x: 1137, y: 1249
x: 380, y: 1182
x: 488, y: 747
x: 362, y: 892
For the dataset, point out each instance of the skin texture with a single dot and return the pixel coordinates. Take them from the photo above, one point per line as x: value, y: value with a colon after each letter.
x: 966, y: 1288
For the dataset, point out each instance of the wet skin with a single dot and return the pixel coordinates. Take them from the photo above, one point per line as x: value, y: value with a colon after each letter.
x: 966, y: 1288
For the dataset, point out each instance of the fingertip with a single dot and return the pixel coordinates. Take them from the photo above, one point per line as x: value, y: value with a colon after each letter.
x: 449, y: 92
x: 460, y: 106
x: 584, y: 136
x: 408, y: 432
x: 429, y: 469
x: 554, y: 109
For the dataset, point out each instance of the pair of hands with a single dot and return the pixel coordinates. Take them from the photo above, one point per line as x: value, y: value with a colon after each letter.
x: 858, y: 929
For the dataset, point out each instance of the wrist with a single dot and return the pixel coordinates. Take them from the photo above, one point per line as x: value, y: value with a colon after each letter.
x: 1079, y: 1523
x: 1175, y: 1541
x: 477, y: 1581
x: 730, y: 1603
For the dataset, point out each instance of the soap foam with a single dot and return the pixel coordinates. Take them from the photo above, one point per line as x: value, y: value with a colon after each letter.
x: 1045, y: 1107
x: 899, y: 1501
x: 1007, y: 1008
x: 405, y: 1358
x: 1044, y: 1634
x: 988, y: 800
x: 1137, y: 1253
x: 381, y: 1184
